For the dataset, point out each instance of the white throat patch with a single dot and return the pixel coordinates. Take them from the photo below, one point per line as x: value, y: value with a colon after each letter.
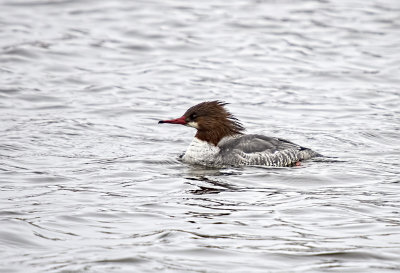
x: 193, y: 124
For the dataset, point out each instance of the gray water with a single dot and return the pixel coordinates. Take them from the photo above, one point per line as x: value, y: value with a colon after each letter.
x: 91, y: 183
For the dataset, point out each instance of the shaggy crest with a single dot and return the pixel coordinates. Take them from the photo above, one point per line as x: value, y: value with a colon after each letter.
x: 213, y: 121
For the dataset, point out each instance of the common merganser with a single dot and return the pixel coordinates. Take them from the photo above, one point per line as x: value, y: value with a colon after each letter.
x: 220, y: 141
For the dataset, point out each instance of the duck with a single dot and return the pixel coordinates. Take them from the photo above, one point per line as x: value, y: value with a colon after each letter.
x: 221, y: 141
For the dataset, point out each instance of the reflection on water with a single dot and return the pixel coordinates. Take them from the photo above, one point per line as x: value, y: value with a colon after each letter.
x: 209, y: 182
x: 89, y: 182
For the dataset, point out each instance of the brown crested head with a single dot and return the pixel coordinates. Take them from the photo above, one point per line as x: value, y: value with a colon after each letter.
x: 212, y: 121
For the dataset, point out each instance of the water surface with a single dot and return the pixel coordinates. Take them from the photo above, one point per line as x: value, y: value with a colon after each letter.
x: 91, y: 183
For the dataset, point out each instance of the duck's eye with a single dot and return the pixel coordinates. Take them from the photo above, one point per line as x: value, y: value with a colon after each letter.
x: 193, y: 116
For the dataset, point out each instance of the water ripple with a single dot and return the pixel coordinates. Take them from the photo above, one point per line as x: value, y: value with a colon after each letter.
x: 89, y: 182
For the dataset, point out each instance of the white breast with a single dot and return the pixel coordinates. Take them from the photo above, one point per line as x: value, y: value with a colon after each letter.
x: 201, y: 152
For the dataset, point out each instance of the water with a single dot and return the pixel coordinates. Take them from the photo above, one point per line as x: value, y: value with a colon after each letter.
x: 91, y: 183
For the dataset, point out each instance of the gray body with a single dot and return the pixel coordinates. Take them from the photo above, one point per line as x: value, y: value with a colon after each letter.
x: 241, y: 150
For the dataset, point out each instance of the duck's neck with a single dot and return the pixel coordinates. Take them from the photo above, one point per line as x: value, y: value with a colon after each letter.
x: 214, y: 137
